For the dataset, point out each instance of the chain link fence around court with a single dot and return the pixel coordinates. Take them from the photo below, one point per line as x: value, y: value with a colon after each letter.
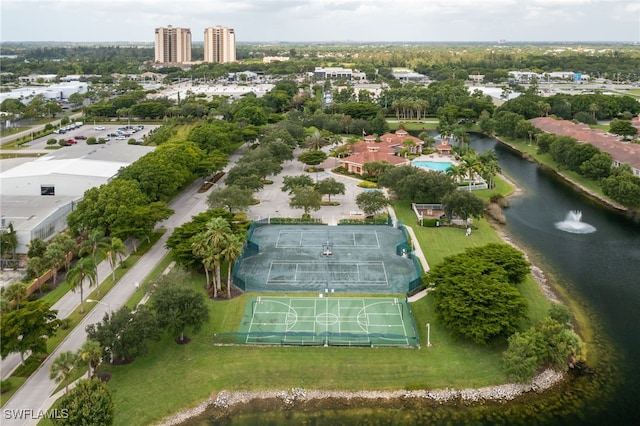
x: 321, y: 258
x: 324, y: 321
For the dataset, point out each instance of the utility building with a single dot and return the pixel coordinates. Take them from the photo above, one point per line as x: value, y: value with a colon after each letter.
x: 172, y: 45
x: 219, y: 44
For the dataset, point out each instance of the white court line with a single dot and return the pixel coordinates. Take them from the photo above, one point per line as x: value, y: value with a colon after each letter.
x: 384, y: 271
x: 404, y: 329
x: 377, y: 240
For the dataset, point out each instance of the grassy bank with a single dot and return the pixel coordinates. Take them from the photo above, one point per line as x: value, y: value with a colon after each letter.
x: 174, y: 377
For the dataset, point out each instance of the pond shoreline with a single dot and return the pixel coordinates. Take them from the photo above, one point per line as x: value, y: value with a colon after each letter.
x: 226, y: 402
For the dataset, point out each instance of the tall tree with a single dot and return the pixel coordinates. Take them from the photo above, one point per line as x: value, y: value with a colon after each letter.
x: 55, y: 257
x: 14, y: 294
x: 215, y: 235
x: 231, y: 197
x: 90, y: 353
x: 115, y: 252
x: 232, y: 251
x: 463, y: 204
x: 306, y: 198
x: 64, y: 240
x: 38, y: 265
x: 474, y: 297
x: 179, y: 307
x: 95, y: 245
x: 290, y: 182
x: 83, y: 270
x: 60, y: 370
x: 27, y: 329
x: 371, y: 202
x: 330, y: 187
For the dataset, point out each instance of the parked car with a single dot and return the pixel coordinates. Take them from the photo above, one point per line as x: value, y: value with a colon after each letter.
x: 121, y: 138
x: 71, y: 142
x: 99, y: 128
x: 80, y: 137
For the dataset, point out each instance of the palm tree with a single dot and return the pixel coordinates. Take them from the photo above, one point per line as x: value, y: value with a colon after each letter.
x: 409, y: 146
x: 593, y: 108
x: 116, y: 251
x: 91, y: 353
x: 61, y: 368
x: 55, y: 257
x: 315, y: 141
x: 472, y: 166
x: 201, y: 248
x: 68, y: 245
x: 490, y: 166
x: 214, y: 236
x: 96, y: 243
x: 232, y: 251
x: 83, y: 269
x: 37, y: 265
x: 14, y: 294
x: 456, y: 171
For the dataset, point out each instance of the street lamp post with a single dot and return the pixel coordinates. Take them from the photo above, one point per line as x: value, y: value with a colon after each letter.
x: 100, y: 303
x: 428, y: 335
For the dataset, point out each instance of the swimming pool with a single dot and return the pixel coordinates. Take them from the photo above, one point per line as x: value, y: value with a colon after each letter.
x: 440, y: 166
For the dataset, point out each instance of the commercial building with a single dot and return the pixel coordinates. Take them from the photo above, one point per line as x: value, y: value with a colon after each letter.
x: 172, y: 45
x: 219, y: 44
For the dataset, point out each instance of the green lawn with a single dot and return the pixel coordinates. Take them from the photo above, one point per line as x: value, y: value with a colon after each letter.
x: 174, y: 377
x: 414, y: 125
x: 548, y: 161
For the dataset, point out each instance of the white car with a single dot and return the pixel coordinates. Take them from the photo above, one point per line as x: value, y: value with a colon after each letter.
x: 99, y: 128
x: 121, y: 138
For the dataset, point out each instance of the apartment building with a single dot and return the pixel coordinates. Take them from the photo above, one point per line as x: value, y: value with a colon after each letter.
x: 219, y: 44
x: 172, y: 45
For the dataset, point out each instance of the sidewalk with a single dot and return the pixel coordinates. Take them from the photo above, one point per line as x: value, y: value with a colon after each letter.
x: 34, y: 395
x: 65, y: 306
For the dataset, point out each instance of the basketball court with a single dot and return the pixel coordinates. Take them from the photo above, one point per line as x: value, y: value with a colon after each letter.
x: 325, y: 321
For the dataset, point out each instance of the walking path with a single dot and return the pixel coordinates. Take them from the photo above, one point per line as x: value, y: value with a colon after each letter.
x: 65, y: 306
x: 34, y: 396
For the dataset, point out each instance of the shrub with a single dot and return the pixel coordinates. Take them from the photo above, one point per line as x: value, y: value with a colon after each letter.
x: 495, y: 211
x: 430, y: 223
x: 51, y: 141
x: 500, y: 200
x: 30, y: 365
x: 367, y: 184
x: 5, y: 386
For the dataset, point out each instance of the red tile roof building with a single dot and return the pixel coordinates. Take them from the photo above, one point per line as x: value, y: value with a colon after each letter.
x: 621, y: 152
x: 370, y: 150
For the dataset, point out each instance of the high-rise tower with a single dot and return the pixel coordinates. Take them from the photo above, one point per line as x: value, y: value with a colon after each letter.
x: 219, y: 44
x: 173, y: 45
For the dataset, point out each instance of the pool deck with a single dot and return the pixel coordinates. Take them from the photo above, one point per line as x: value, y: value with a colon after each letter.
x: 437, y: 158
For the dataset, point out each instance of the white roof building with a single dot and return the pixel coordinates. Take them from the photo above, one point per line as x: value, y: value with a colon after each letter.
x: 47, y: 176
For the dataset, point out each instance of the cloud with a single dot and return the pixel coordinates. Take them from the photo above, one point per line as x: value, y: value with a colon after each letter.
x: 323, y: 20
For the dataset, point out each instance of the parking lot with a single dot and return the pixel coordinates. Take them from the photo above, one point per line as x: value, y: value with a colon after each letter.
x: 78, y: 136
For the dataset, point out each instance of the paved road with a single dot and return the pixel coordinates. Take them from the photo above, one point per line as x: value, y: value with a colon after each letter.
x: 65, y: 306
x: 36, y: 128
x: 34, y: 395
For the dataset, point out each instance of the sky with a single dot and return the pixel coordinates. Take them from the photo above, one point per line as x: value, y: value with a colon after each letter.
x: 325, y: 20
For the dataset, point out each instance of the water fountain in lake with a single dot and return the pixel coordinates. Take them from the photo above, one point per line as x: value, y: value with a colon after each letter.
x: 573, y: 223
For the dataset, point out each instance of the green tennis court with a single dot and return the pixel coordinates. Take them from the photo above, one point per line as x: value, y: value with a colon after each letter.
x: 325, y: 321
x: 321, y: 258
